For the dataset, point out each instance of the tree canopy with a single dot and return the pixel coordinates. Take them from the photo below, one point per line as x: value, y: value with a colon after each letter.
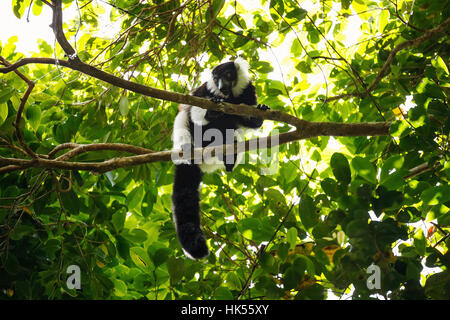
x: 358, y: 92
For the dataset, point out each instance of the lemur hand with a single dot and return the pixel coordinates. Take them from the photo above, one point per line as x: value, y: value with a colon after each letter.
x: 216, y: 99
x: 262, y: 107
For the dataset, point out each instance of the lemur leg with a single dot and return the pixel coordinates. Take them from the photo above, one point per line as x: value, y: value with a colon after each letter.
x: 181, y: 135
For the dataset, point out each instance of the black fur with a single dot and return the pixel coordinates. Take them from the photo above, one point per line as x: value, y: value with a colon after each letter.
x: 185, y: 198
x: 188, y: 177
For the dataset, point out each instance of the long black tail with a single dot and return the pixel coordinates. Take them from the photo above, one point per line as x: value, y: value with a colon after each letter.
x: 185, y: 199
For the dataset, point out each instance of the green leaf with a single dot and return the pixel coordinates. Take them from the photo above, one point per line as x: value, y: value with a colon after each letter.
x: 365, y: 169
x: 277, y: 202
x: 436, y: 286
x: 392, y: 172
x: 263, y: 183
x: 160, y: 256
x: 176, y: 269
x: 21, y: 231
x: 223, y: 293
x: 19, y: 7
x: 436, y: 195
x: 395, y: 180
x: 135, y: 235
x: 37, y: 7
x: 255, y: 229
x: 71, y: 202
x: 357, y: 228
x: 302, y: 263
x: 297, y: 14
x: 120, y: 288
x: 292, y: 277
x: 439, y: 63
x: 233, y: 281
x: 291, y: 237
x: 283, y: 250
x: 276, y: 10
x: 296, y: 48
x: 3, y: 112
x: 217, y: 5
x: 266, y: 261
x: 141, y: 259
x: 135, y: 197
x: 263, y: 66
x: 33, y: 114
x: 307, y: 212
x: 341, y: 169
x: 420, y: 242
x: 387, y: 232
x: 346, y: 3
x: 383, y: 20
x: 118, y: 220
x: 387, y: 199
x: 124, y: 105
x: 330, y: 187
x: 314, y: 292
x: 123, y: 247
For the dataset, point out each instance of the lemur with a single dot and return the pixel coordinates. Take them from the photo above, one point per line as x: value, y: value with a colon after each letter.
x: 199, y: 128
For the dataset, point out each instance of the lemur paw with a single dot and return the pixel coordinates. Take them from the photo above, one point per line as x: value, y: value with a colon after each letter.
x: 262, y: 107
x: 216, y: 99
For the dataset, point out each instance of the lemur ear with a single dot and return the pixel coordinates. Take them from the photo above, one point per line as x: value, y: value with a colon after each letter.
x: 241, y: 64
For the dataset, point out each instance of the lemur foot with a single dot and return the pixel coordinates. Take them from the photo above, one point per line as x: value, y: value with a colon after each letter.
x: 262, y: 107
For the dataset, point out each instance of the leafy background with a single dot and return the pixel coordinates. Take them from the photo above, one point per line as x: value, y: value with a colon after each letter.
x: 334, y: 207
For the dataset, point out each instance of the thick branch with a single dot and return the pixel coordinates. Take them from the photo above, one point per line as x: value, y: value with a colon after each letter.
x: 148, y: 156
x: 243, y: 110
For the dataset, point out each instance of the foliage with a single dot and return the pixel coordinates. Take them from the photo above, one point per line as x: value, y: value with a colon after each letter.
x: 334, y: 206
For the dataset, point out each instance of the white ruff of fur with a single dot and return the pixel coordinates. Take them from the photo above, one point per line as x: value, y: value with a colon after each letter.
x: 211, y: 86
x: 242, y: 76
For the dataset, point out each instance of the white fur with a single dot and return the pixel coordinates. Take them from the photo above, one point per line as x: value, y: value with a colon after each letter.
x: 181, y: 134
x: 242, y: 76
x: 211, y: 85
x: 198, y: 116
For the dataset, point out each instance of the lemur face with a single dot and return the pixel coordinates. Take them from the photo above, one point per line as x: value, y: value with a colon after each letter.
x: 225, y: 77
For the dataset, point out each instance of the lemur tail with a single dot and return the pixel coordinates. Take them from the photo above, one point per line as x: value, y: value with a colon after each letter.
x: 185, y: 199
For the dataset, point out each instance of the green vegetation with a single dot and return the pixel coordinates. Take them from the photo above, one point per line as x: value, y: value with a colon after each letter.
x: 334, y: 206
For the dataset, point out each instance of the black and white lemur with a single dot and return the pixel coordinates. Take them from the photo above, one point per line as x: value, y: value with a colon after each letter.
x: 197, y: 127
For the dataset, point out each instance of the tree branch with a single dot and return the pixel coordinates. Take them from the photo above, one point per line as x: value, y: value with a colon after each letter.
x: 143, y: 156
